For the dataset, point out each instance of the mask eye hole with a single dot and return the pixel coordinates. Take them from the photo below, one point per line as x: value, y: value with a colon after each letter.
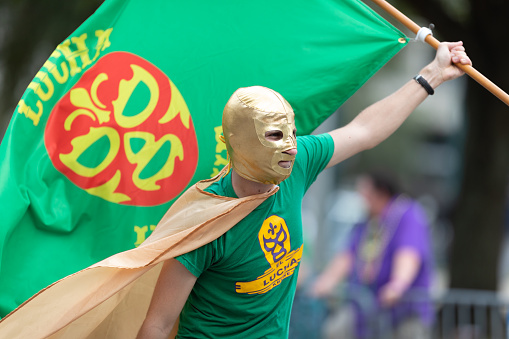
x: 274, y: 135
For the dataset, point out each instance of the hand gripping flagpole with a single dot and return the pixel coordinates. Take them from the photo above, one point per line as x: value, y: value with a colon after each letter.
x: 424, y: 34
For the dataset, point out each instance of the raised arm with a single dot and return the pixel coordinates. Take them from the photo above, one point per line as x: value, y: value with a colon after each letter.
x: 378, y: 121
x: 405, y: 267
x: 335, y: 272
x: 172, y: 289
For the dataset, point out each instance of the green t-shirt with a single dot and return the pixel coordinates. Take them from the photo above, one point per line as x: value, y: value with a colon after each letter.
x: 247, y: 277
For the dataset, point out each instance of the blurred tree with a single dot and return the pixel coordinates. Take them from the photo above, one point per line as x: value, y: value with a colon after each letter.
x: 29, y: 32
x: 478, y: 217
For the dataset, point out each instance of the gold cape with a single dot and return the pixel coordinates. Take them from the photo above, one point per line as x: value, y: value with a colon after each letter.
x: 110, y: 298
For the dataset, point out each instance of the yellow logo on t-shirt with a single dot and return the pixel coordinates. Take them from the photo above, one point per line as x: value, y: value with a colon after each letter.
x: 274, y: 239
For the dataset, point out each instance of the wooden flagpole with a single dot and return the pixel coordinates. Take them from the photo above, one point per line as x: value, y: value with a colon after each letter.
x: 472, y: 72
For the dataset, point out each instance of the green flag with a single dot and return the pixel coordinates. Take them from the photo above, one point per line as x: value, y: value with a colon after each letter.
x: 126, y: 114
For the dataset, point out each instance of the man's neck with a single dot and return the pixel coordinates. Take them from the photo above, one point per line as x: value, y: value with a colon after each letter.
x: 244, y: 187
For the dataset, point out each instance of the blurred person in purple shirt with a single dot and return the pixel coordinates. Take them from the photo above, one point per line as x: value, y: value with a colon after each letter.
x: 387, y: 266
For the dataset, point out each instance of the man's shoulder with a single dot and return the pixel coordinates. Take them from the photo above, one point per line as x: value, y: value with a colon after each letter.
x: 222, y: 186
x: 314, y: 144
x: 314, y: 150
x: 313, y: 139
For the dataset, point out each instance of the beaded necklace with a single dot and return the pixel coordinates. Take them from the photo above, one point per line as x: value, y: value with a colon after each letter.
x: 377, y: 235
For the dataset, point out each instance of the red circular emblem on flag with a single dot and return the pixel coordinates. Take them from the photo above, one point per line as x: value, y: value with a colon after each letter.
x: 124, y: 133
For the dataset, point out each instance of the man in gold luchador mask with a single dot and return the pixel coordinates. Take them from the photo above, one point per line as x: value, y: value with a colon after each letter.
x: 242, y: 284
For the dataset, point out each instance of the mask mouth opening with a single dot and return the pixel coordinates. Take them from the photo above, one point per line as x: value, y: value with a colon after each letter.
x: 285, y: 164
x: 282, y: 164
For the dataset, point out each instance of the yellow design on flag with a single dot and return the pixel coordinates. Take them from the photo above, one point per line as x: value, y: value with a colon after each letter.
x: 140, y: 154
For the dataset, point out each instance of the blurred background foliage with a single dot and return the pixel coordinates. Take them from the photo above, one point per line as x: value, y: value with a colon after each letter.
x: 29, y: 32
x: 455, y: 149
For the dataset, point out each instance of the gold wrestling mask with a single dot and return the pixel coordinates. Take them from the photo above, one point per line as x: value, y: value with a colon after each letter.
x: 251, y: 114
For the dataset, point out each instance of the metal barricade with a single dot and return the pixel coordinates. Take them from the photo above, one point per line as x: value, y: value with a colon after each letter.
x: 470, y: 314
x: 458, y: 314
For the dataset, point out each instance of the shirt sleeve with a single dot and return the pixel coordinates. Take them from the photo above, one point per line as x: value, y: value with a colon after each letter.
x: 200, y: 259
x: 413, y: 231
x: 313, y: 154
